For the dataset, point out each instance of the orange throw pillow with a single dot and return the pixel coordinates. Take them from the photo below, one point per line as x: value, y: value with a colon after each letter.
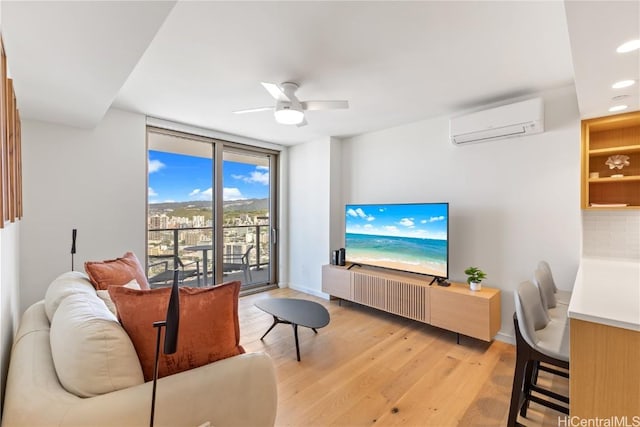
x: 209, y: 328
x: 116, y: 272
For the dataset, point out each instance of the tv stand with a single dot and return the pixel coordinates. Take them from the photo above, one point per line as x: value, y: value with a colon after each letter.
x: 454, y: 307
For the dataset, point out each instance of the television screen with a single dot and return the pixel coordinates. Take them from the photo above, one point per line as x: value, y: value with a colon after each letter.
x: 409, y: 237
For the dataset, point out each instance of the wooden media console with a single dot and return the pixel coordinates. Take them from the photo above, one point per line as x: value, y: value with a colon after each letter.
x: 455, y: 308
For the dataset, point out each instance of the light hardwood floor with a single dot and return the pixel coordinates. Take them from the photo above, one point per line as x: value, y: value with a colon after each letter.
x: 370, y: 368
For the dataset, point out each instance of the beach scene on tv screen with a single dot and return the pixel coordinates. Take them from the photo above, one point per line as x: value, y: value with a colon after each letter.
x: 410, y: 237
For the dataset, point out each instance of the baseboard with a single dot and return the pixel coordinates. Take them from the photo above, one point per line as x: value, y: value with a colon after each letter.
x: 508, y: 338
x: 309, y: 291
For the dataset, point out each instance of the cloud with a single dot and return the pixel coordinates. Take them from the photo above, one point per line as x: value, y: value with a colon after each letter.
x: 151, y: 192
x: 169, y: 201
x: 391, y: 228
x: 262, y: 168
x: 359, y: 213
x: 255, y: 177
x: 368, y: 226
x: 155, y: 165
x: 407, y: 222
x: 197, y: 194
x: 231, y: 193
x: 437, y: 218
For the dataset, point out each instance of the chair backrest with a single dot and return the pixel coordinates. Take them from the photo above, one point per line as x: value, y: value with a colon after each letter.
x: 544, y: 282
x: 245, y: 257
x: 531, y: 314
x: 544, y: 265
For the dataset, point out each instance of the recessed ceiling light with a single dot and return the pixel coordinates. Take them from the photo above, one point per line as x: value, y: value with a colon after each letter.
x: 618, y: 108
x: 619, y: 97
x: 629, y: 46
x: 622, y: 83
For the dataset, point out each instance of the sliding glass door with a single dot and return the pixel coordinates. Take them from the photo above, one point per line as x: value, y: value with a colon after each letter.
x: 247, y: 219
x: 211, y: 211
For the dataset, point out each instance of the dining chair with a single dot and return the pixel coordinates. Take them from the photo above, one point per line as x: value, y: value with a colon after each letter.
x: 538, y: 339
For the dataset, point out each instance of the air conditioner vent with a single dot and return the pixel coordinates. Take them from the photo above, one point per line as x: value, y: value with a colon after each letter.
x: 507, y: 121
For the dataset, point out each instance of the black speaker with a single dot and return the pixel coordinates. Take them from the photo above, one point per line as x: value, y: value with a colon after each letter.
x: 341, y: 256
x: 335, y: 257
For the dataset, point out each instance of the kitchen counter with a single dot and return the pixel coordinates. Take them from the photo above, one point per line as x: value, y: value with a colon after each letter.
x: 607, y: 291
x: 604, y: 314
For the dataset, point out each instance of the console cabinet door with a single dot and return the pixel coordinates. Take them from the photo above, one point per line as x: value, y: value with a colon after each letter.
x: 336, y: 281
x: 472, y: 313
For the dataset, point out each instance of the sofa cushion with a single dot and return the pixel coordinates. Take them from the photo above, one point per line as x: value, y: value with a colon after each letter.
x: 70, y: 283
x: 209, y: 328
x: 106, y: 298
x: 116, y: 272
x: 91, y: 351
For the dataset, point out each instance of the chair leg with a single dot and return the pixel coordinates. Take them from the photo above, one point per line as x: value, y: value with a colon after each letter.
x: 516, y: 390
x: 526, y: 390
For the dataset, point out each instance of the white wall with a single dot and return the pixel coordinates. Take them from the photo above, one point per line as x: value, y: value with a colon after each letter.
x: 512, y: 202
x: 308, y: 205
x: 9, y: 296
x: 90, y: 179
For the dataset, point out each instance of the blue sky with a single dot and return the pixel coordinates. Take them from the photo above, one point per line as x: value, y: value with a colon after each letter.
x: 180, y: 178
x: 425, y: 221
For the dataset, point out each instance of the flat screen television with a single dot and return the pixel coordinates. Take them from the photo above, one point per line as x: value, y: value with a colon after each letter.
x: 410, y: 237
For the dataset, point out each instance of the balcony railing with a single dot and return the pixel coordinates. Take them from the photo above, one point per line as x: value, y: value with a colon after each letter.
x: 170, y: 243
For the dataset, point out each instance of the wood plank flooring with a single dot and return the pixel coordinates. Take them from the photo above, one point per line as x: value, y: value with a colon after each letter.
x: 370, y: 368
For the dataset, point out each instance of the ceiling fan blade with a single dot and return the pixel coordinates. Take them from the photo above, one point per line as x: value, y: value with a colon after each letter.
x: 303, y: 122
x: 253, y: 110
x: 276, y: 91
x: 324, y: 105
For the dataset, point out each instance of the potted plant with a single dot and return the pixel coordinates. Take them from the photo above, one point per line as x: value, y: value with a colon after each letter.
x: 475, y: 277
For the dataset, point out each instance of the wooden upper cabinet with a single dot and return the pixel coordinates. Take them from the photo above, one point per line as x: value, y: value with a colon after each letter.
x: 603, y: 140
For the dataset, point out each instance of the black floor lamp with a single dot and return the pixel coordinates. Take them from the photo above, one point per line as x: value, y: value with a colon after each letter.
x: 171, y: 324
x: 74, y: 233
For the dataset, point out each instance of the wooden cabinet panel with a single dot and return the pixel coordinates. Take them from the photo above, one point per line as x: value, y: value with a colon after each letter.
x: 604, y: 371
x: 472, y: 313
x: 336, y: 281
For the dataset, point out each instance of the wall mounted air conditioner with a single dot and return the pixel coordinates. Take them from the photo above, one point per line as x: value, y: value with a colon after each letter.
x: 506, y: 121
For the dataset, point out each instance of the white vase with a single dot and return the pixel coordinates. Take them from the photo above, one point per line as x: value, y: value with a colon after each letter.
x: 475, y: 286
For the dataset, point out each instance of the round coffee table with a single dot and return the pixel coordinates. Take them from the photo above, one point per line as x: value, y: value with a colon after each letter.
x: 294, y: 312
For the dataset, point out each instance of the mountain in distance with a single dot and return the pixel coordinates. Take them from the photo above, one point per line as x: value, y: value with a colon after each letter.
x: 200, y: 207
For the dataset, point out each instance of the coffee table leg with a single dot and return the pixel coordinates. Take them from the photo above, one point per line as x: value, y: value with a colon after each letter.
x: 295, y: 333
x: 275, y: 322
x: 314, y: 330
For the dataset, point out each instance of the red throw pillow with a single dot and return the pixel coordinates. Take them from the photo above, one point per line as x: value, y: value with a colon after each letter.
x: 116, y: 272
x: 209, y: 327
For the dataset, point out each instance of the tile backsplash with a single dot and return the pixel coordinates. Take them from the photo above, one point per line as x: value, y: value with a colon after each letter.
x: 611, y: 234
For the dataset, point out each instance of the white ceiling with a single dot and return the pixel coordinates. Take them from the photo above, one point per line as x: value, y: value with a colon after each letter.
x: 396, y: 62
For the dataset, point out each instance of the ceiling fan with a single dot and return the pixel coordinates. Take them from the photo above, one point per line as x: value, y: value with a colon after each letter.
x: 289, y: 110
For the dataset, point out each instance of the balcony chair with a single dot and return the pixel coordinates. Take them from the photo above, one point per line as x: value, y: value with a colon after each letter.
x: 235, y: 262
x: 538, y: 339
x: 166, y: 277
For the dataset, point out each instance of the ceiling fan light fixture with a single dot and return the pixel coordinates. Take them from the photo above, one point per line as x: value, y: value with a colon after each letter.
x: 289, y: 116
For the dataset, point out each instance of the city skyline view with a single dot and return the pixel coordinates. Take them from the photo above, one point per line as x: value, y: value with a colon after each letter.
x: 181, y: 178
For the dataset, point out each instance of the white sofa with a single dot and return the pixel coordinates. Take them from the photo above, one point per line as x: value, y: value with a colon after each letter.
x: 238, y: 391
